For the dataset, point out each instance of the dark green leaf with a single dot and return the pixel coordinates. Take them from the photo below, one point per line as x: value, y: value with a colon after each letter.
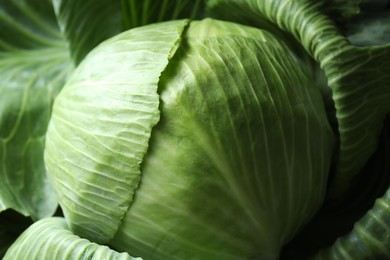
x: 34, y: 62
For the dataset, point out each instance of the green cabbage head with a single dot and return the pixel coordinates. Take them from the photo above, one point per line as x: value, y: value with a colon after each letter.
x: 190, y: 139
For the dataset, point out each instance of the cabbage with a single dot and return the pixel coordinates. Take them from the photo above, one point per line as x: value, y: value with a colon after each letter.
x: 194, y: 146
x: 218, y: 138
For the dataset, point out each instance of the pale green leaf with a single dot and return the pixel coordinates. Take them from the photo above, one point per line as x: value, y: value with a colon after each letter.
x: 101, y: 125
x: 51, y: 238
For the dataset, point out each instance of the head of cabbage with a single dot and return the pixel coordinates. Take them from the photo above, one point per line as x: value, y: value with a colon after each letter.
x: 190, y: 139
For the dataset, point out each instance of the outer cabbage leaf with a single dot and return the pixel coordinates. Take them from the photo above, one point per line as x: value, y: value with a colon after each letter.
x: 51, y: 238
x: 34, y: 62
x: 236, y: 164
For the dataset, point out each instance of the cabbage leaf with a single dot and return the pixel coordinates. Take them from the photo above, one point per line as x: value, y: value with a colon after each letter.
x: 102, y: 112
x: 51, y: 238
x: 34, y: 63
